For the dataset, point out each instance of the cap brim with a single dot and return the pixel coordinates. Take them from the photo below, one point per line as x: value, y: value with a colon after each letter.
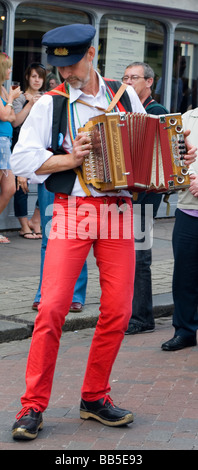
x: 60, y: 61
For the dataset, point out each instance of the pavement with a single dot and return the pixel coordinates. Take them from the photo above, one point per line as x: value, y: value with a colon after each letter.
x: 19, y: 279
x: 159, y: 387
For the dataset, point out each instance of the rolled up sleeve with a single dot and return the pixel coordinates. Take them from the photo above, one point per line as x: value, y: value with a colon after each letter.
x: 32, y: 148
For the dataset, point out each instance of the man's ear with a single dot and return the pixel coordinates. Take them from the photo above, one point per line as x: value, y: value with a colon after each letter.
x: 149, y: 82
x: 91, y: 53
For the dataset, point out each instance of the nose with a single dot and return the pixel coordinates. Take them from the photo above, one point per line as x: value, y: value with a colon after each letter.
x: 65, y: 71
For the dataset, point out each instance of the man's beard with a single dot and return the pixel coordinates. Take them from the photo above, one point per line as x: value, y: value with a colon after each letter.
x: 77, y: 82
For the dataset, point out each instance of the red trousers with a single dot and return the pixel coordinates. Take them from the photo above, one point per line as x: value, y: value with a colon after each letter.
x: 78, y: 224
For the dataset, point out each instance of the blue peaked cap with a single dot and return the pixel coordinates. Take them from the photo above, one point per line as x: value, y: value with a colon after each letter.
x: 68, y: 44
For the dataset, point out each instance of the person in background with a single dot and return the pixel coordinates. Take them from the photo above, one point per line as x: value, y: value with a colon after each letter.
x: 141, y: 77
x: 185, y: 251
x: 35, y: 84
x: 51, y: 76
x: 35, y: 78
x: 7, y: 116
x: 53, y: 82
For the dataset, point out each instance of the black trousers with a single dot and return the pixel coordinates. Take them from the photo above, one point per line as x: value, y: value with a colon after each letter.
x: 185, y: 275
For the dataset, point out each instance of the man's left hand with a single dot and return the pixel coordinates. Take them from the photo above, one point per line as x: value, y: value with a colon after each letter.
x: 194, y: 185
x: 191, y: 155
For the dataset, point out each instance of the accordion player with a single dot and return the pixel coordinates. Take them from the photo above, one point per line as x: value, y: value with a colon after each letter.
x: 137, y: 152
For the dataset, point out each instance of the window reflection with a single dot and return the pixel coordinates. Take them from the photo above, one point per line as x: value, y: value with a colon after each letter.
x: 32, y: 20
x: 151, y: 48
x: 185, y: 70
x: 2, y: 27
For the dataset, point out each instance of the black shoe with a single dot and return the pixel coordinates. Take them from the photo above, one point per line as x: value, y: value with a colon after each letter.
x: 28, y: 423
x: 105, y: 411
x: 134, y: 328
x: 178, y: 342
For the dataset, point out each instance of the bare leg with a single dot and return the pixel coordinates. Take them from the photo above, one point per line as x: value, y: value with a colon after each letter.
x: 35, y: 223
x: 25, y: 229
x: 8, y: 188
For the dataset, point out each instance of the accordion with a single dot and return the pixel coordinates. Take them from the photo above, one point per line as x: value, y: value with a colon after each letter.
x: 137, y: 152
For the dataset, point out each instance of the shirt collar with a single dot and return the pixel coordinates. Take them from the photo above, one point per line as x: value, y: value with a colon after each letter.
x: 148, y: 101
x: 75, y: 94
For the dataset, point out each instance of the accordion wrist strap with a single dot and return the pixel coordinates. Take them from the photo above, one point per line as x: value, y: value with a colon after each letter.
x: 117, y: 97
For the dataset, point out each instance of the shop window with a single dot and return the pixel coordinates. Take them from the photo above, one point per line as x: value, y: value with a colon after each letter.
x: 185, y: 69
x: 32, y: 20
x: 2, y: 26
x: 124, y: 40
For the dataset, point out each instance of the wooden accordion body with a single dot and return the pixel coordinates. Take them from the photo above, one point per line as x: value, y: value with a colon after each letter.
x: 137, y: 152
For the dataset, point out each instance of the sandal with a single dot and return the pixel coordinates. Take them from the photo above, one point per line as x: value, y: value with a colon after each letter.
x: 38, y: 235
x: 26, y: 235
x: 4, y: 239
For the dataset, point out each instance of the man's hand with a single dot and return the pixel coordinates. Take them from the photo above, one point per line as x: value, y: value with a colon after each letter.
x: 194, y: 185
x: 67, y: 161
x: 22, y: 182
x: 191, y: 155
x: 81, y: 148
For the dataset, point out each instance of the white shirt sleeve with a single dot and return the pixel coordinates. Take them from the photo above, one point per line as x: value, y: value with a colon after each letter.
x: 31, y: 150
x: 137, y: 106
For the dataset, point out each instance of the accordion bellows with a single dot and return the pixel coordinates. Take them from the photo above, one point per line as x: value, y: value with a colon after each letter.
x: 137, y: 152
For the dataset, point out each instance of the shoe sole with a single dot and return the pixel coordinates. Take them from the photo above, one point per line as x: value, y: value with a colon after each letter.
x: 140, y: 332
x: 75, y: 310
x: 177, y: 349
x: 23, y: 434
x: 126, y: 420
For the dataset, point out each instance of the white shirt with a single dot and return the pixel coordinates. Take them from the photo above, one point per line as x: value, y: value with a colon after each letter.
x: 31, y: 152
x: 186, y: 200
